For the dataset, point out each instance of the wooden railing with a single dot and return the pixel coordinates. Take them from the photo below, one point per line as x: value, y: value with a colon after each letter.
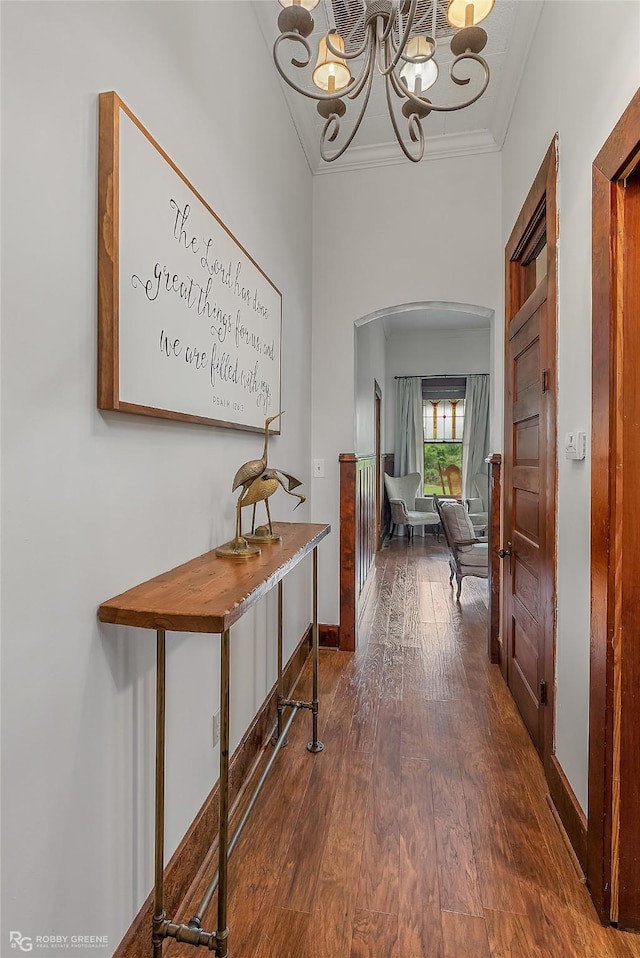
x: 360, y: 529
x: 495, y: 493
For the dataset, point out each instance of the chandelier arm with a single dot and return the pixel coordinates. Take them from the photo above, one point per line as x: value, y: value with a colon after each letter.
x: 403, y: 40
x: 407, y: 59
x: 415, y: 129
x: 396, y: 86
x: 363, y: 75
x: 381, y: 48
x: 311, y: 95
x: 406, y: 92
x: 398, y: 92
x: 332, y: 125
x: 343, y: 53
x: 392, y: 18
x: 462, y: 81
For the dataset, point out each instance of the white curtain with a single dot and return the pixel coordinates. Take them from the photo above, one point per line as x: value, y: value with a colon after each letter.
x: 409, y: 432
x: 475, y: 436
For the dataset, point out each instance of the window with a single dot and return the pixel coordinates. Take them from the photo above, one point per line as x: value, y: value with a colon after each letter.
x: 443, y: 402
x: 443, y: 420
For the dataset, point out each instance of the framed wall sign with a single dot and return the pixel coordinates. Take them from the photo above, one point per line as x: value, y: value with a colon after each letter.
x: 189, y: 326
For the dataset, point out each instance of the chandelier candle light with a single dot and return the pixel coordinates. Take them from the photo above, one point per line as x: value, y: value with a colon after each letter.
x: 406, y: 61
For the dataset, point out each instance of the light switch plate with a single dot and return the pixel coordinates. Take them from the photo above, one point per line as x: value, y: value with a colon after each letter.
x: 318, y: 468
x: 575, y: 445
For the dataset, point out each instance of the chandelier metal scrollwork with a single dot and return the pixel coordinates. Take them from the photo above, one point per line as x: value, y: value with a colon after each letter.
x: 405, y: 61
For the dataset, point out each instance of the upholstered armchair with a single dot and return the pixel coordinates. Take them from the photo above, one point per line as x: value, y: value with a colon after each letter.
x: 407, y: 509
x: 468, y: 555
x: 478, y: 505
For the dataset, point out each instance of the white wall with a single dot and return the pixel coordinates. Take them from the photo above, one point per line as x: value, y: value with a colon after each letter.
x: 96, y: 502
x: 434, y: 353
x: 381, y: 238
x: 370, y: 364
x: 581, y: 97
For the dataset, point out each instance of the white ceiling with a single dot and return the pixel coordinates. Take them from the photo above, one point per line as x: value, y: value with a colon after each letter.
x: 479, y: 128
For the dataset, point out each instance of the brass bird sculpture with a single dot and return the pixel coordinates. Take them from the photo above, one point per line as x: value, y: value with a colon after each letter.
x: 257, y: 484
x: 251, y: 470
x: 245, y: 475
x: 260, y: 490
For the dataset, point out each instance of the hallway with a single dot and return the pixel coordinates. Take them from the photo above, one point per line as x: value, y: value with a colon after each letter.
x: 422, y: 829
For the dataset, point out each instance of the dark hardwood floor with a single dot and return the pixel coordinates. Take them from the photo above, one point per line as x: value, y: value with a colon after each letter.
x: 423, y: 829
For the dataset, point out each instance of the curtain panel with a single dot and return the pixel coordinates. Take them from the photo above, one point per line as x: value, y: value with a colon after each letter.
x: 475, y: 437
x: 409, y: 432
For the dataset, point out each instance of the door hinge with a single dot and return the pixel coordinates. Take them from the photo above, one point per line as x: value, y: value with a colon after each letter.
x: 545, y: 380
x: 543, y: 692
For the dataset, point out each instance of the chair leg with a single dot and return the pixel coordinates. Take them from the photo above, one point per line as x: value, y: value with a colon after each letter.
x: 393, y: 529
x: 459, y: 579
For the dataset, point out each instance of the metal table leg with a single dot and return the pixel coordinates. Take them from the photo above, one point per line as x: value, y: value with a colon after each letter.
x: 315, y: 745
x: 158, y: 894
x: 222, y: 932
x: 280, y: 667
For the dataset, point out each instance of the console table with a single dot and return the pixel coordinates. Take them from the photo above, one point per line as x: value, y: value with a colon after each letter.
x: 209, y: 594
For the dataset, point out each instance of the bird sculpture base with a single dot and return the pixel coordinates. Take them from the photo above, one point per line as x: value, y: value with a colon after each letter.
x: 237, y: 548
x: 263, y: 535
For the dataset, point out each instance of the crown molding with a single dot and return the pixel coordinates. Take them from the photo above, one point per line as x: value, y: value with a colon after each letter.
x: 389, y: 154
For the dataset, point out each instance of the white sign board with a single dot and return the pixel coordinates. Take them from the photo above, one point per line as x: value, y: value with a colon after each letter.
x: 190, y: 326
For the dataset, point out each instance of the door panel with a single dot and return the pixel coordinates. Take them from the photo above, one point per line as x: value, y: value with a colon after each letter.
x: 525, y: 514
x: 526, y: 587
x: 525, y: 647
x: 527, y: 365
x: 527, y: 552
x: 526, y: 448
x: 527, y: 702
x: 527, y: 477
x: 525, y: 638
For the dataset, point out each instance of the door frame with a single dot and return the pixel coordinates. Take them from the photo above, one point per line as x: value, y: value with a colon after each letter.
x: 613, y: 829
x: 378, y: 493
x: 539, y: 213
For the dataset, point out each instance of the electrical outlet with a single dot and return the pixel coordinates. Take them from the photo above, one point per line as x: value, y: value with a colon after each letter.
x: 216, y: 729
x: 318, y: 468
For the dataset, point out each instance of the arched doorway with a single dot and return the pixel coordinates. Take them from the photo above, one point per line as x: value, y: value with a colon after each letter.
x: 419, y: 339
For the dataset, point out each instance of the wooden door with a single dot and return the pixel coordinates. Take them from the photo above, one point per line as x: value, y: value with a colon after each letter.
x: 526, y: 503
x: 379, y: 497
x: 529, y: 577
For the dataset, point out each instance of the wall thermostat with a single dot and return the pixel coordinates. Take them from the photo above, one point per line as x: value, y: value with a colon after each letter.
x: 575, y: 445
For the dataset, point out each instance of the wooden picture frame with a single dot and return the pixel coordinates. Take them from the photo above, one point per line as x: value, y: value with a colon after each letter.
x: 189, y: 326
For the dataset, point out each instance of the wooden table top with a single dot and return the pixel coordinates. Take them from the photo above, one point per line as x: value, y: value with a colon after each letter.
x: 209, y: 594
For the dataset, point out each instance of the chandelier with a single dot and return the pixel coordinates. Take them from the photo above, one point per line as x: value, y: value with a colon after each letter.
x: 405, y: 60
